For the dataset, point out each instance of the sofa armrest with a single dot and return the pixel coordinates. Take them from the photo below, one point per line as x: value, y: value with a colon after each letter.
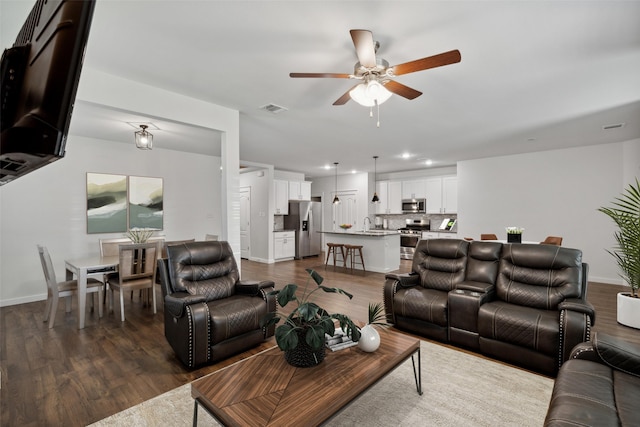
x: 175, y: 303
x: 580, y: 306
x: 406, y: 280
x: 253, y: 287
x: 617, y: 353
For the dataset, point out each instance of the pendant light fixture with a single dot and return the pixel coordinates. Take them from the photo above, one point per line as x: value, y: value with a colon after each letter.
x: 144, y: 140
x: 375, y: 198
x: 335, y: 198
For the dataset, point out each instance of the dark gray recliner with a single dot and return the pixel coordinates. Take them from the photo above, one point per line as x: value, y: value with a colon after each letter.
x: 210, y: 314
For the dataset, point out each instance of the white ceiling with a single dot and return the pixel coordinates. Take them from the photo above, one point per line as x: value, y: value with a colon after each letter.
x: 534, y: 75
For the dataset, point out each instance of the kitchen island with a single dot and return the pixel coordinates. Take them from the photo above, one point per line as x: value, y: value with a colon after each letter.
x: 380, y: 248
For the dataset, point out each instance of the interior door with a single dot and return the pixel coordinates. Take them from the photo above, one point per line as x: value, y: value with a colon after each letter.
x: 345, y: 212
x: 245, y: 222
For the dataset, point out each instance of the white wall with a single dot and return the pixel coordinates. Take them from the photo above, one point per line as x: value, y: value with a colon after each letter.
x: 48, y: 206
x: 550, y: 193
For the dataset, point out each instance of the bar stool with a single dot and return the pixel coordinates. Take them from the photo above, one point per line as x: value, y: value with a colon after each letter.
x: 333, y: 250
x: 351, y: 255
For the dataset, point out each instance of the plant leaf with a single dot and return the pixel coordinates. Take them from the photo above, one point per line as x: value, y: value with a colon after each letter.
x: 336, y: 291
x: 315, y: 336
x: 287, y: 294
x: 308, y: 311
x: 286, y: 337
x: 315, y: 276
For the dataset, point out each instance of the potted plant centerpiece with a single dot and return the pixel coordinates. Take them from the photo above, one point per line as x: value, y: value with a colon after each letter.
x: 514, y: 234
x: 302, y: 335
x: 625, y: 212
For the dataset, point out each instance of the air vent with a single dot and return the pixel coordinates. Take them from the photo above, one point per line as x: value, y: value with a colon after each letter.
x: 614, y: 126
x: 273, y: 108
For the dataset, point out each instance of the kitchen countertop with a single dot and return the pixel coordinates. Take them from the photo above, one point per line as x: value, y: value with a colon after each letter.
x: 283, y: 231
x: 375, y: 233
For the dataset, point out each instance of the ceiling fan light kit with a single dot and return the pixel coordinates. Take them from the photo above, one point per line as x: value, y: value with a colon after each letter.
x: 378, y: 84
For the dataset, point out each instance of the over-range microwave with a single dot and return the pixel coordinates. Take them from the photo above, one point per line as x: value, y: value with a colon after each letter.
x: 414, y: 205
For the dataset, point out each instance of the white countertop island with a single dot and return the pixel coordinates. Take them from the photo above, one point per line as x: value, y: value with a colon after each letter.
x: 380, y: 248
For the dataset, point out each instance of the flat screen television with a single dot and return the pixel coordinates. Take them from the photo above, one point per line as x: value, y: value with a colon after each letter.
x: 40, y: 75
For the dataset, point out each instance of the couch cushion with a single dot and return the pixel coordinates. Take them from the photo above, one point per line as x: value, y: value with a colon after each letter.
x: 235, y: 316
x: 540, y: 276
x: 441, y: 263
x: 417, y: 302
x: 523, y: 326
x: 203, y: 268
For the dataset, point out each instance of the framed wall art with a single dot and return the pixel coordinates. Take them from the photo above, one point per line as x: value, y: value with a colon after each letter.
x: 145, y: 202
x: 106, y: 203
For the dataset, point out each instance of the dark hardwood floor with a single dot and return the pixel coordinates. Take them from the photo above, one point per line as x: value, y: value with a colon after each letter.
x: 65, y: 376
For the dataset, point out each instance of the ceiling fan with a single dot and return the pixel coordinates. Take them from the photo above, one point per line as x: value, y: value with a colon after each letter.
x: 376, y: 75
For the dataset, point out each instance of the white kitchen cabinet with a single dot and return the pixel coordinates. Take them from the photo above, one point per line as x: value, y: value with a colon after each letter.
x: 390, y: 194
x: 434, y: 195
x: 414, y: 189
x: 300, y: 190
x: 282, y: 196
x: 284, y: 245
x: 442, y: 195
x: 450, y: 194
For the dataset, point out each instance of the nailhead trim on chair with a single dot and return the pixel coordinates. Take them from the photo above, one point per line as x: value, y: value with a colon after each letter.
x: 190, y: 340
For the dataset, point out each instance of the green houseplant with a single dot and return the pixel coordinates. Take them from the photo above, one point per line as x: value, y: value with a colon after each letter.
x: 625, y: 212
x: 302, y: 334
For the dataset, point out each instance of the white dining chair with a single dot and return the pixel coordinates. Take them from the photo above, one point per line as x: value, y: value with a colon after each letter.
x: 65, y: 289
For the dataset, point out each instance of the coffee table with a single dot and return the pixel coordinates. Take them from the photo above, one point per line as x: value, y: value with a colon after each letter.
x: 264, y: 390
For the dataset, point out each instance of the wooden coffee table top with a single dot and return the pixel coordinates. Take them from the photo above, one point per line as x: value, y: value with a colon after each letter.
x: 265, y: 390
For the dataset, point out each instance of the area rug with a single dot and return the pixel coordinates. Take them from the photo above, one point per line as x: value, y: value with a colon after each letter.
x: 460, y: 389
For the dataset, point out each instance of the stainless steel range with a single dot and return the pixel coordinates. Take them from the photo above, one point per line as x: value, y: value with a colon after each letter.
x: 410, y: 235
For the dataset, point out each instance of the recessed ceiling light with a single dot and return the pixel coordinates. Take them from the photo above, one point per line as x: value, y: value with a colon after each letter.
x: 406, y: 155
x: 327, y: 167
x: 530, y: 139
x: 428, y: 162
x: 354, y: 171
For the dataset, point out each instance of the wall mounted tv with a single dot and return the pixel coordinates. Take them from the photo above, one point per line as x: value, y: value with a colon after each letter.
x: 40, y: 75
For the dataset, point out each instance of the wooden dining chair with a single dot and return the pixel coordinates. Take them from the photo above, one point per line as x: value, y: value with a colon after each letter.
x: 552, y: 240
x: 136, y: 270
x: 488, y: 237
x: 57, y: 290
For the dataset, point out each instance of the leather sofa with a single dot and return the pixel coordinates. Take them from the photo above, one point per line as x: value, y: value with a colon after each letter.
x: 522, y: 303
x: 209, y: 313
x: 598, y: 386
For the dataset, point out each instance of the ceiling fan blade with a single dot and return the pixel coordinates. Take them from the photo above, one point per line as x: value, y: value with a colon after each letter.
x: 321, y: 75
x: 434, y: 61
x: 402, y: 90
x: 365, y: 48
x: 344, y: 98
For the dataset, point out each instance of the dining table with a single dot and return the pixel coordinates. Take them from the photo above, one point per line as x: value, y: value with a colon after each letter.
x: 84, y: 267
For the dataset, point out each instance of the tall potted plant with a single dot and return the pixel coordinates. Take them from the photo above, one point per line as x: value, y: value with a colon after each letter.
x: 302, y: 335
x: 625, y: 212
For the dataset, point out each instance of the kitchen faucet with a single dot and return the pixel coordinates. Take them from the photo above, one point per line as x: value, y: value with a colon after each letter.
x: 364, y: 225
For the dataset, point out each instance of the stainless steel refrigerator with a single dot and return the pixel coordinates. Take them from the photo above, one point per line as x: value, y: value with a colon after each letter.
x: 306, y: 219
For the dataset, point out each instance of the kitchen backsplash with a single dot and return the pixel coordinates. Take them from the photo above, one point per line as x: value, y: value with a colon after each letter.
x: 395, y: 222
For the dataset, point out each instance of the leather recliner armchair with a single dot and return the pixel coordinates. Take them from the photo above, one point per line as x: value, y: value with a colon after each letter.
x: 539, y: 310
x: 209, y: 313
x: 418, y: 301
x: 598, y: 386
